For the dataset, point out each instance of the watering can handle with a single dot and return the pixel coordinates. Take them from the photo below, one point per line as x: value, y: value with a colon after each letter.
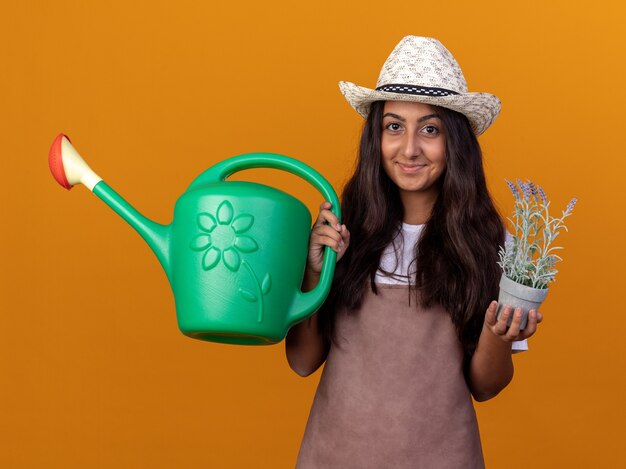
x: 305, y: 303
x: 226, y: 168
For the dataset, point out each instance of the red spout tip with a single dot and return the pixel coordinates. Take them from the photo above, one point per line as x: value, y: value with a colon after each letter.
x: 55, y: 161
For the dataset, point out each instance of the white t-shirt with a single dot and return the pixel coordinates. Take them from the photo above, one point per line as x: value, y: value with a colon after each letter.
x: 400, y: 273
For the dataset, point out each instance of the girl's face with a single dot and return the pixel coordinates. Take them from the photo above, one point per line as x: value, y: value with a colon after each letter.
x: 413, y: 146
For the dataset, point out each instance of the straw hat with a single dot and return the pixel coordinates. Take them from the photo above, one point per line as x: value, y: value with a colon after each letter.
x: 421, y: 69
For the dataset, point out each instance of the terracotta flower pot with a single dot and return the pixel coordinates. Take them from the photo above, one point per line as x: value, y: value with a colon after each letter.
x: 517, y: 295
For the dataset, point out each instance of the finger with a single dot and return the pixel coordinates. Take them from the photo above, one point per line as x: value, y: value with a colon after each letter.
x: 531, y: 325
x: 513, y: 331
x: 490, y: 315
x: 327, y: 217
x: 539, y: 317
x: 345, y: 235
x: 326, y: 230
x: 326, y: 206
x: 326, y: 236
x: 323, y: 242
x: 500, y: 327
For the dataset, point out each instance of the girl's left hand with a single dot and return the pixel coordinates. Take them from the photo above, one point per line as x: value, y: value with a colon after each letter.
x: 511, y: 333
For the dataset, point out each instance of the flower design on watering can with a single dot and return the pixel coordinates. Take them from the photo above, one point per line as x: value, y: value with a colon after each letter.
x: 221, y: 238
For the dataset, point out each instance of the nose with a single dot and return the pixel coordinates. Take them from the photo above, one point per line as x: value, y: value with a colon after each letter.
x: 411, y: 145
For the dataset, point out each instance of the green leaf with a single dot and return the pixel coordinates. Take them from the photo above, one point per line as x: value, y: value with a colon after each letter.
x: 267, y: 284
x: 248, y: 295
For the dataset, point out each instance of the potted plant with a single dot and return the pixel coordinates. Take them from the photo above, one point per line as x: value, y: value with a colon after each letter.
x: 528, y: 256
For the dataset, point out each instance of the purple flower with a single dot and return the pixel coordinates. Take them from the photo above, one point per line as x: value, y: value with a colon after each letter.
x: 525, y: 188
x: 513, y: 189
x: 571, y: 204
x: 542, y: 194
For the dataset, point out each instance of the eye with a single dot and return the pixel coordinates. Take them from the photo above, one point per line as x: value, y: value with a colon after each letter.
x: 393, y: 126
x: 430, y: 129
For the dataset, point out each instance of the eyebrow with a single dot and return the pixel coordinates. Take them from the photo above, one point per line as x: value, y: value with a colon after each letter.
x: 421, y: 119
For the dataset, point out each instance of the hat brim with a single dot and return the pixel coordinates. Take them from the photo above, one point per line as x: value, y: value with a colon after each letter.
x: 480, y: 108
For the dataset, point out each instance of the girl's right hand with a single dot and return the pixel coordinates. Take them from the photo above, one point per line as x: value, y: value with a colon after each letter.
x: 326, y: 231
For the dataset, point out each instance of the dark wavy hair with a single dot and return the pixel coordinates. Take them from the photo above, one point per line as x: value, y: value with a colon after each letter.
x: 457, y: 260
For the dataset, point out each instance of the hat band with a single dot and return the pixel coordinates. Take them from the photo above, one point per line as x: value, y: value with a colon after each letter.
x: 421, y: 90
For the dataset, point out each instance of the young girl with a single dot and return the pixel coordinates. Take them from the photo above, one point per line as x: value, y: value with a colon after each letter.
x: 409, y: 331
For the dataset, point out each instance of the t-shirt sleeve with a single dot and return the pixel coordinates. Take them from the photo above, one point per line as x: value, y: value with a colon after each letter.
x: 519, y: 346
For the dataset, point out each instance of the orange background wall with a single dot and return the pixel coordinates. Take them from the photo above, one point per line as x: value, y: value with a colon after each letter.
x: 93, y: 371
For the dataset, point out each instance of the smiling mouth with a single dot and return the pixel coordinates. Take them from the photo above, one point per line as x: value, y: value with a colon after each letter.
x: 411, y: 168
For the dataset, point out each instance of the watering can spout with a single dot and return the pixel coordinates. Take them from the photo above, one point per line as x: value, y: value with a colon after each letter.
x: 69, y: 169
x: 155, y: 234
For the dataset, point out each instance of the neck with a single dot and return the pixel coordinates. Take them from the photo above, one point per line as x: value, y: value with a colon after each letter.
x: 418, y: 206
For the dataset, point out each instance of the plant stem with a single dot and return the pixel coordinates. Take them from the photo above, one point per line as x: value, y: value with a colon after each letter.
x: 258, y: 289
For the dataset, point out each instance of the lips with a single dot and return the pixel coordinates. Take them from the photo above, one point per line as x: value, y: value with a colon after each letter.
x: 411, y: 168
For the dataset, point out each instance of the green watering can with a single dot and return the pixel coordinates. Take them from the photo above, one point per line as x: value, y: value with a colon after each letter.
x: 235, y: 252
